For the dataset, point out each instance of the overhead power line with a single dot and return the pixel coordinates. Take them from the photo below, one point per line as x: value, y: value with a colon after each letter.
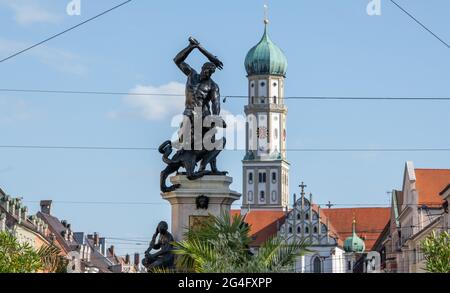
x: 108, y: 148
x: 123, y: 93
x: 77, y: 147
x: 63, y: 32
x: 356, y: 205
x: 421, y: 24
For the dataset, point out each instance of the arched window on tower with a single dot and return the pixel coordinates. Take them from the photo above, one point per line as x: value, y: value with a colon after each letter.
x: 298, y: 216
x: 274, y: 195
x: 307, y: 216
x: 299, y: 230
x: 317, y: 265
x: 290, y: 229
x: 250, y: 195
x: 307, y: 230
x: 315, y: 230
x: 250, y: 178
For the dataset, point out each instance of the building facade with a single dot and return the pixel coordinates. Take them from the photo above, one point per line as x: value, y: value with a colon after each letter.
x: 417, y: 210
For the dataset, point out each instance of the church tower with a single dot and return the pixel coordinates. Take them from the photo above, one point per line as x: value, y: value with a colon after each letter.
x: 265, y: 168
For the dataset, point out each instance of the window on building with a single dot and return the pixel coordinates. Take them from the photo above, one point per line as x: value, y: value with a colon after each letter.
x: 298, y: 216
x: 274, y: 177
x: 250, y: 178
x: 307, y: 230
x: 260, y: 177
x: 315, y: 230
x: 317, y: 265
x: 250, y: 196
x: 299, y: 230
x: 262, y: 195
x: 290, y: 229
x: 349, y: 266
x: 274, y: 195
x: 264, y: 177
x: 274, y: 100
x: 307, y: 216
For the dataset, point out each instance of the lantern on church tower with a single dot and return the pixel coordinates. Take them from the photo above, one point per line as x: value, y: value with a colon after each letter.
x: 265, y: 168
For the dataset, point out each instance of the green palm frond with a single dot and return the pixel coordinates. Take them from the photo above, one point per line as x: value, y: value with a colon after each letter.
x: 225, y: 224
x: 276, y: 255
x: 194, y: 253
x: 222, y: 246
x: 51, y: 259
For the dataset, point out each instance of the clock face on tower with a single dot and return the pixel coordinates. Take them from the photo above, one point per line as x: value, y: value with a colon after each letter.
x: 262, y: 132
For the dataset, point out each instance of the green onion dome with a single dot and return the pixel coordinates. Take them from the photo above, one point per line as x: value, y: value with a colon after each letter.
x: 354, y: 243
x: 266, y: 58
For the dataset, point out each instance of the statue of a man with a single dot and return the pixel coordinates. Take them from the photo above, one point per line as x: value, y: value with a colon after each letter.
x: 163, y: 258
x: 202, y: 101
x: 202, y: 95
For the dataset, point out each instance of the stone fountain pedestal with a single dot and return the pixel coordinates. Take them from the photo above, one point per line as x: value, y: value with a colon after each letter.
x: 186, y: 202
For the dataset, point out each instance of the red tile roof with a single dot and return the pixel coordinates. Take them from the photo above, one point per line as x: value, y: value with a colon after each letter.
x: 429, y: 183
x: 370, y: 222
x: 263, y: 223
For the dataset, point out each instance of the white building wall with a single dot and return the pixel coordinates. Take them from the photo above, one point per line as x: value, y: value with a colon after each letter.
x: 332, y: 260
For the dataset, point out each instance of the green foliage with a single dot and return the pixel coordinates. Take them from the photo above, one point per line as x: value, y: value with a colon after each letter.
x: 221, y: 245
x: 16, y: 257
x: 51, y: 259
x: 436, y: 250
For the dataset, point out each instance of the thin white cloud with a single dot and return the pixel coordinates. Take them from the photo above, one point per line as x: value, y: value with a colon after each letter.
x: 61, y: 60
x: 154, y: 107
x: 29, y: 12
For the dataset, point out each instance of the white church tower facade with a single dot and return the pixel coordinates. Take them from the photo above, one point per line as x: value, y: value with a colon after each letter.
x: 265, y: 167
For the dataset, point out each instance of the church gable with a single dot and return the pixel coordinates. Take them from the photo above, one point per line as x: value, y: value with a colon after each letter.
x: 304, y: 223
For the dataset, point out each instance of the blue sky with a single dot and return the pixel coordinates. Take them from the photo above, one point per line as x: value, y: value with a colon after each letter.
x: 333, y: 47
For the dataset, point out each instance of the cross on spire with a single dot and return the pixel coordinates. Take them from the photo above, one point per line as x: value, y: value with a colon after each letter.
x: 329, y: 205
x: 266, y: 13
x: 303, y: 186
